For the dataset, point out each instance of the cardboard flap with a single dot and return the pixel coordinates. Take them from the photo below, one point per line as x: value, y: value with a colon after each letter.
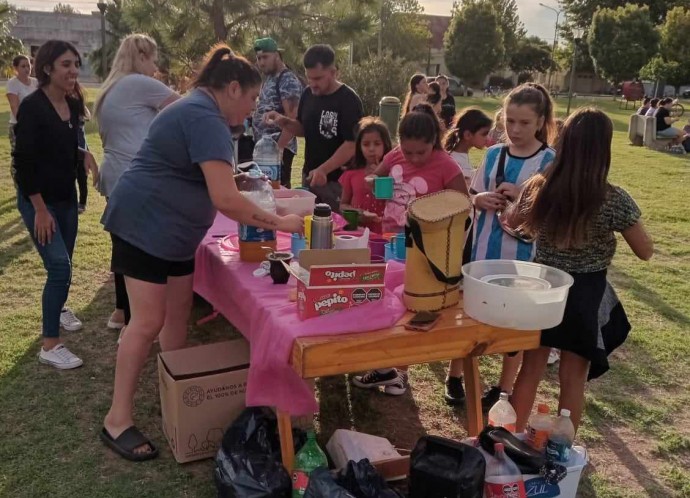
x: 209, y: 358
x: 317, y: 257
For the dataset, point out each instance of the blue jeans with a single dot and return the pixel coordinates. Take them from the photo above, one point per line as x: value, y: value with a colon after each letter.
x: 56, y: 256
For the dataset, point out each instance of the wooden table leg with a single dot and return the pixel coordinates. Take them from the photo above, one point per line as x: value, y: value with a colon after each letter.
x: 475, y: 419
x: 287, y: 446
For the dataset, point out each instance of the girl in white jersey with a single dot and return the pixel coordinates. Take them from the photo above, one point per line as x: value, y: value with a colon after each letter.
x: 529, y: 125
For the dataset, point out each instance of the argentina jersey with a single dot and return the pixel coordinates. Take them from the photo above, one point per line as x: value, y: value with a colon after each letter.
x: 490, y: 241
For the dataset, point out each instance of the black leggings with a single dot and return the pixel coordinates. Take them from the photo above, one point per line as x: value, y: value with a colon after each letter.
x: 121, y: 299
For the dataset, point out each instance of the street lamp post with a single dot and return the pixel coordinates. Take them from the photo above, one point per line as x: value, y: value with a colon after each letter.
x: 577, y: 34
x: 102, y: 6
x: 555, y: 42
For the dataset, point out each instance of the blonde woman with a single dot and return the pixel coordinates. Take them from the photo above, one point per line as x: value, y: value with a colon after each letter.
x: 129, y: 100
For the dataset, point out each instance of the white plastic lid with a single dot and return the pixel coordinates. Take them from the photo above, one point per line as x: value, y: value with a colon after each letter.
x: 565, y: 412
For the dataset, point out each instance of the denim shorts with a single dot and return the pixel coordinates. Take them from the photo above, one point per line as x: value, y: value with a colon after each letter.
x: 669, y: 132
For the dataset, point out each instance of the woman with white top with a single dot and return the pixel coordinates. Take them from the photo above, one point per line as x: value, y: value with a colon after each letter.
x: 129, y: 100
x: 18, y: 88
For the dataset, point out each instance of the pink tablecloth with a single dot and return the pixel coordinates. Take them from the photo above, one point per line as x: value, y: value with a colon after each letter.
x: 262, y: 312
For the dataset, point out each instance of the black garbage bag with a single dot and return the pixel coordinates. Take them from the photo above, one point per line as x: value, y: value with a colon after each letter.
x: 322, y: 484
x: 363, y: 480
x: 356, y: 480
x: 248, y: 465
x: 442, y: 468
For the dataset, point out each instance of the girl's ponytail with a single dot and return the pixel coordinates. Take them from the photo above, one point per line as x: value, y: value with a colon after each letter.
x: 222, y: 66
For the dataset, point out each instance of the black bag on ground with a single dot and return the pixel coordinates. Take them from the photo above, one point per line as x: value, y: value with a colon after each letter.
x: 356, y: 480
x: 248, y: 465
x: 529, y: 460
x: 442, y: 468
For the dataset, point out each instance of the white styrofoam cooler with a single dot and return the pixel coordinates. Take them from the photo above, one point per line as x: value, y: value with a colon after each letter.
x: 535, y: 485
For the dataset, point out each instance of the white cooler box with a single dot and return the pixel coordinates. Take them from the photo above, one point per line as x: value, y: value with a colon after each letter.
x: 535, y: 485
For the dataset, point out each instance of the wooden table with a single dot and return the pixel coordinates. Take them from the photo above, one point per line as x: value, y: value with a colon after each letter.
x: 454, y: 336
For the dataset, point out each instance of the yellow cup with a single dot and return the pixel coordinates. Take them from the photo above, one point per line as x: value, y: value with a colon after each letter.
x: 307, y: 230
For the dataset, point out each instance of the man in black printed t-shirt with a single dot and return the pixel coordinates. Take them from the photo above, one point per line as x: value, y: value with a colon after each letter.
x: 327, y: 118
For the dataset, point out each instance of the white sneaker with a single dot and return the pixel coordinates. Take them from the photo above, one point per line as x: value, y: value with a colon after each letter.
x: 399, y: 387
x: 68, y: 321
x: 554, y: 356
x: 60, y: 357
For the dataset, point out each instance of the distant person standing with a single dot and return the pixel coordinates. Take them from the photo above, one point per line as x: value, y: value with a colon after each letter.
x: 130, y: 98
x: 417, y: 93
x: 447, y: 100
x: 327, y: 116
x: 18, y: 88
x: 280, y: 92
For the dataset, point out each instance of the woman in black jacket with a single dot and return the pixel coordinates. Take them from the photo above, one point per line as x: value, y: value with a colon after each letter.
x: 46, y: 158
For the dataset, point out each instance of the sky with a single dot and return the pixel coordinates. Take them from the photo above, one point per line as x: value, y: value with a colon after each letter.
x: 538, y: 20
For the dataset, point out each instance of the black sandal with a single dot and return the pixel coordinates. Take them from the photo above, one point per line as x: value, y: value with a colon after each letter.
x: 125, y: 444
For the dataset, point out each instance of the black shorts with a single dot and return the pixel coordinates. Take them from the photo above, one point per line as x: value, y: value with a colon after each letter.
x: 135, y: 263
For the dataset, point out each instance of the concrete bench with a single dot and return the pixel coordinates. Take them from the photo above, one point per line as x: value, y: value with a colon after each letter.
x: 642, y: 131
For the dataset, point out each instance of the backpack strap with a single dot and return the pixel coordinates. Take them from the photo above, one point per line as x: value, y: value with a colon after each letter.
x: 413, y: 232
x: 501, y: 168
x: 280, y: 99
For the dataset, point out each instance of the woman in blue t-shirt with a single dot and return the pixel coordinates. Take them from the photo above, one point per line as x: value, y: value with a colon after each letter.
x: 158, y: 213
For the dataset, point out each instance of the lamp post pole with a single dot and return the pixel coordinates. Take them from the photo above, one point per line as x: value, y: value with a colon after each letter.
x: 555, y: 43
x: 577, y: 33
x: 102, y: 6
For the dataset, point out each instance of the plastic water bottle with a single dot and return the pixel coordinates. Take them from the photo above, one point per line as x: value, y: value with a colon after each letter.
x: 267, y: 156
x: 502, y: 414
x: 539, y: 428
x: 254, y: 239
x: 503, y: 479
x: 561, y: 439
x: 308, y: 458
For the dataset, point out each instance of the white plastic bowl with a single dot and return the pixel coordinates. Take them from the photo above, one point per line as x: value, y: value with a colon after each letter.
x: 294, y: 201
x: 515, y: 294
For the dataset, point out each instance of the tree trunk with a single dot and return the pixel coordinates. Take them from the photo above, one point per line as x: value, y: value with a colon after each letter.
x: 220, y: 30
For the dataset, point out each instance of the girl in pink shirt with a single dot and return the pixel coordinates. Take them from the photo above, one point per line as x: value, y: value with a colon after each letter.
x: 419, y: 166
x: 372, y: 143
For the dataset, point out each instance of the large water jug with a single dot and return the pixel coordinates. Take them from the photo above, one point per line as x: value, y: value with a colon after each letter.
x: 253, y: 239
x: 267, y: 156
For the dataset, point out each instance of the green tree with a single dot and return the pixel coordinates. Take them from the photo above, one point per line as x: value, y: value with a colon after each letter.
x: 474, y: 41
x: 64, y: 8
x: 9, y: 45
x: 404, y: 31
x: 532, y: 55
x: 187, y: 29
x: 509, y: 20
x: 621, y: 41
x: 117, y: 28
x: 672, y: 63
x: 581, y: 12
x: 378, y: 77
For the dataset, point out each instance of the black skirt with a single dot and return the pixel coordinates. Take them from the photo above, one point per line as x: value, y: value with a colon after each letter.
x: 594, y: 322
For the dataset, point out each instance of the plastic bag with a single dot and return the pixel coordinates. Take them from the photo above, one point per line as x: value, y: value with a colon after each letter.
x: 322, y: 484
x: 248, y: 465
x: 442, y: 468
x: 356, y: 480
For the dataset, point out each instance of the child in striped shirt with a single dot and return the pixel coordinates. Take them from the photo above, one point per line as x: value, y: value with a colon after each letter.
x: 529, y: 125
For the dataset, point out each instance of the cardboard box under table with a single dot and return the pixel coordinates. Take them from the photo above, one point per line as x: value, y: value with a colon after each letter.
x: 332, y: 280
x: 202, y: 391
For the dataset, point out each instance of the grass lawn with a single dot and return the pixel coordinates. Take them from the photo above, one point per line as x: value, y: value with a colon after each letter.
x: 637, y: 418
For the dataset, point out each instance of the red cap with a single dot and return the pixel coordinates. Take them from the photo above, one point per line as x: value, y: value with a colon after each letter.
x: 543, y: 408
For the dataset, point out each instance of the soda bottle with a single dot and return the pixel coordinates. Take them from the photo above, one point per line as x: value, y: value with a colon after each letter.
x: 267, y: 157
x: 503, y: 478
x: 561, y: 438
x: 307, y: 459
x: 253, y: 239
x: 502, y: 414
x: 539, y: 427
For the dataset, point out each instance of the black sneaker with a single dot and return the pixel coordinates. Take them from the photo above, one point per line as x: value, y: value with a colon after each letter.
x: 490, y: 397
x: 399, y: 386
x: 455, y: 392
x: 375, y: 378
